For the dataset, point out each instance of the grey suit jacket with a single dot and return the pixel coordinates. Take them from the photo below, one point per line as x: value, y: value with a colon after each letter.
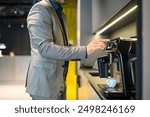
x: 48, y: 52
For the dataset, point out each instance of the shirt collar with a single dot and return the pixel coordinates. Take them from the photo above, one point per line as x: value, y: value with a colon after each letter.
x: 56, y: 6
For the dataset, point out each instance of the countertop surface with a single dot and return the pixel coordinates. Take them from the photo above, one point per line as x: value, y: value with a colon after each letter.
x: 95, y: 81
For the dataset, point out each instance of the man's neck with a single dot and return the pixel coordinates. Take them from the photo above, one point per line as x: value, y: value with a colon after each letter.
x: 55, y: 5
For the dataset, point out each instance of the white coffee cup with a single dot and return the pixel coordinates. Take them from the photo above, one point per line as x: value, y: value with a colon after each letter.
x: 111, y: 82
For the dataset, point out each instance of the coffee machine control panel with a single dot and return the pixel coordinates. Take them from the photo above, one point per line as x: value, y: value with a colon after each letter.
x: 112, y: 45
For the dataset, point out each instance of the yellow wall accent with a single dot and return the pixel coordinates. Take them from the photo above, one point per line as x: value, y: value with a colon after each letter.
x: 70, y: 11
x: 71, y: 82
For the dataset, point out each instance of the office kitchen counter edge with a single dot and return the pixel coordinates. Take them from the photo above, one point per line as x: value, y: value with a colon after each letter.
x: 93, y: 80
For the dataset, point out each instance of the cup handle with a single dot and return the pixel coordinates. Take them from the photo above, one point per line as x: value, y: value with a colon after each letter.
x: 107, y: 82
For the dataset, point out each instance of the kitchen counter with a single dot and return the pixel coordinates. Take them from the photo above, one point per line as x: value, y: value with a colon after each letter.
x: 94, y: 80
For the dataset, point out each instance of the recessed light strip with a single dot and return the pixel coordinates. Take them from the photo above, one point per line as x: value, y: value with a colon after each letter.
x: 117, y: 20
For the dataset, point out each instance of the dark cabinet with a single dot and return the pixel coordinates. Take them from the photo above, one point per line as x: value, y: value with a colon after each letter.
x: 13, y: 29
x: 14, y: 35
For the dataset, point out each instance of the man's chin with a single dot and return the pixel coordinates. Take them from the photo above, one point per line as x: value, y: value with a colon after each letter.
x: 60, y: 2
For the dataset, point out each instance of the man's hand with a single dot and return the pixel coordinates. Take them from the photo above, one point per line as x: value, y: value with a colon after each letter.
x: 96, y: 44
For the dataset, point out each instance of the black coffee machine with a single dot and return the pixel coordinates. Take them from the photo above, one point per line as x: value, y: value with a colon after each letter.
x: 120, y: 63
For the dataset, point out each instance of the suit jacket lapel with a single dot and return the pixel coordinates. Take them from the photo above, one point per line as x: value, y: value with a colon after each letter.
x: 56, y: 18
x: 57, y: 22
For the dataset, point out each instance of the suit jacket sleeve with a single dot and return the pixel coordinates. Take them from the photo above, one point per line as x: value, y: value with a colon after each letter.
x: 41, y: 34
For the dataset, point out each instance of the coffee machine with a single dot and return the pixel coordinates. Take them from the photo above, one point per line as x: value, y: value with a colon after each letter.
x: 120, y: 63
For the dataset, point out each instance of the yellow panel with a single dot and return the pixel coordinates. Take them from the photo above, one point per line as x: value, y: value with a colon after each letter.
x: 70, y: 11
x: 71, y: 82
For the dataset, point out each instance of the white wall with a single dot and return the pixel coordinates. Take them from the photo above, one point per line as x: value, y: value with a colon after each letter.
x: 146, y: 49
x: 96, y: 14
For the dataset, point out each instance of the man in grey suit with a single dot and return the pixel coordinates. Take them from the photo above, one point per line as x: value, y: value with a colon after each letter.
x: 49, y: 50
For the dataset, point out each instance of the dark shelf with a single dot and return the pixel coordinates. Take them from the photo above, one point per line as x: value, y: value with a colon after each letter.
x: 123, y: 22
